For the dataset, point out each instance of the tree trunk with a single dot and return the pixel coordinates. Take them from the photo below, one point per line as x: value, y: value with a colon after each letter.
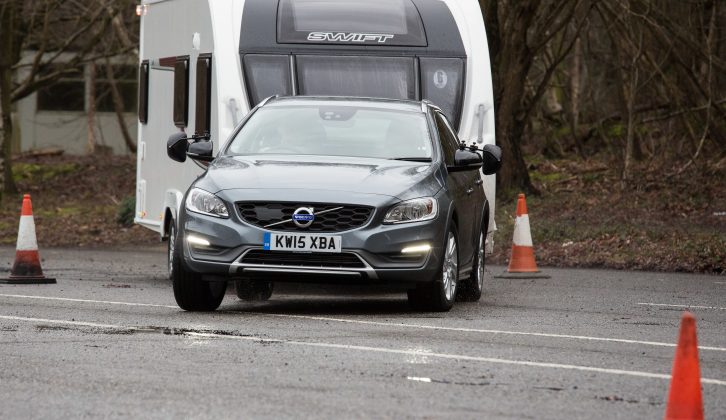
x: 575, y: 89
x: 511, y: 61
x: 7, y: 23
x: 510, y: 130
x: 91, y: 108
x: 118, y: 107
x: 629, y: 136
x: 6, y: 169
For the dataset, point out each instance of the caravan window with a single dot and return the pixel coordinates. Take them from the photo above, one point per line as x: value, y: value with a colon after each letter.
x: 382, y: 77
x: 203, y: 107
x: 370, y: 22
x: 441, y: 83
x: 267, y: 75
x: 181, y: 91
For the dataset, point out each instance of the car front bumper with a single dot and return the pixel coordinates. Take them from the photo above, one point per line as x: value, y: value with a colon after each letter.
x: 377, y: 246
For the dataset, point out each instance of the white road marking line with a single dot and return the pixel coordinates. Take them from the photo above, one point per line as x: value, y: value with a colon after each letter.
x: 448, y: 356
x: 719, y: 282
x: 394, y: 324
x: 669, y: 305
x: 88, y: 301
x: 485, y: 331
x: 417, y: 379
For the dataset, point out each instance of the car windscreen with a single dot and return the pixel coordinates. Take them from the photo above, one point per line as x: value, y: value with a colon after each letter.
x: 335, y: 130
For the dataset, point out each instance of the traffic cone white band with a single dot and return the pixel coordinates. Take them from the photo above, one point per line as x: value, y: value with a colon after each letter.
x: 26, y: 235
x: 522, y: 234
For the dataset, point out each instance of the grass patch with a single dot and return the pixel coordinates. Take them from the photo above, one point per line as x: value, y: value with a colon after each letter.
x: 59, y: 212
x: 75, y: 201
x: 585, y: 218
x: 539, y: 177
x: 35, y: 172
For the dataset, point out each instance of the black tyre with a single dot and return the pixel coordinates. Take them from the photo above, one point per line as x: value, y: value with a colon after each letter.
x: 190, y: 291
x: 470, y: 289
x: 253, y: 290
x: 439, y: 295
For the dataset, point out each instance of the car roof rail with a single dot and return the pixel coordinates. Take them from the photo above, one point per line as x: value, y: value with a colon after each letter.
x: 266, y: 100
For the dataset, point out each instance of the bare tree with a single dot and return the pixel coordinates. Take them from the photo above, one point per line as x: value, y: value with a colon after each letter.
x: 118, y: 106
x: 640, y: 78
x: 42, y: 41
x: 519, y: 32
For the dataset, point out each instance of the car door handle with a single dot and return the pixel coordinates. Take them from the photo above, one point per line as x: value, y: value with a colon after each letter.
x: 478, y: 182
x: 469, y: 191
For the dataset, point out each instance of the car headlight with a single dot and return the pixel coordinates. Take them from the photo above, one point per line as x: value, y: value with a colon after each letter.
x: 415, y: 210
x: 200, y: 201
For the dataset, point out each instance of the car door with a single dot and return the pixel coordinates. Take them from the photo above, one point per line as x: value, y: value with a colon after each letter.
x: 462, y: 189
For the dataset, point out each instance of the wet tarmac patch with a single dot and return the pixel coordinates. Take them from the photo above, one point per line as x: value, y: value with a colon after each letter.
x: 446, y: 382
x: 41, y: 328
x: 615, y: 398
x: 152, y: 329
x: 549, y: 388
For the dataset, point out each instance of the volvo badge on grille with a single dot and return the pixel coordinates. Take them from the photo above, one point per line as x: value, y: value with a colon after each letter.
x: 303, y: 217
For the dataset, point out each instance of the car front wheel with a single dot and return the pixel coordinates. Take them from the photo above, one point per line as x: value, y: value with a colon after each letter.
x: 190, y: 291
x: 439, y: 295
x: 470, y: 290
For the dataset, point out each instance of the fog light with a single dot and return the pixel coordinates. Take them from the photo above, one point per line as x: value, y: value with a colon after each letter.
x: 416, y: 249
x: 196, y: 240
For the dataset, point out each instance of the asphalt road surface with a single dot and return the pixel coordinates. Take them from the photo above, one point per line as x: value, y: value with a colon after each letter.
x: 109, y: 341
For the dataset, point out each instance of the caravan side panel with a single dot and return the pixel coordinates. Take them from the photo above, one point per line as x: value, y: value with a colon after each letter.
x: 178, y: 28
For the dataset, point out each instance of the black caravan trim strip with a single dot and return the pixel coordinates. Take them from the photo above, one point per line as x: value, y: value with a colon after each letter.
x: 203, y: 109
x: 181, y: 91
x: 144, y: 92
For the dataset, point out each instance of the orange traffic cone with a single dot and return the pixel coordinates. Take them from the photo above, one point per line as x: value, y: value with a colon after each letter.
x: 26, y: 269
x: 522, y: 260
x: 522, y: 264
x: 684, y: 397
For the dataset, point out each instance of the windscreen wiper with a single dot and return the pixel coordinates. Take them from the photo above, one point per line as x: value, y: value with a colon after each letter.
x: 413, y: 159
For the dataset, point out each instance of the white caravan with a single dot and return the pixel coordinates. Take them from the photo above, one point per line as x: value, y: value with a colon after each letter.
x: 207, y: 63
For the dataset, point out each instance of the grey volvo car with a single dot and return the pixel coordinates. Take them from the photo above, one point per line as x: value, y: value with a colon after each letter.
x: 345, y: 190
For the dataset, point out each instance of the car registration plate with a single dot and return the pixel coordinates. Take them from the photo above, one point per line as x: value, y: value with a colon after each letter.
x: 301, y: 242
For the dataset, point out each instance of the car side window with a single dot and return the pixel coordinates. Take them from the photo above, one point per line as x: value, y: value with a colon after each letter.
x: 449, y: 142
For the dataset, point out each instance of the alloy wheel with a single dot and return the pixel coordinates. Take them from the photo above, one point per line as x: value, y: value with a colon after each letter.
x: 480, y: 263
x: 451, y: 267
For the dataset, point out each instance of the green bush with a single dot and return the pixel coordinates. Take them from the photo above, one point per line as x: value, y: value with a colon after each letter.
x: 126, y: 211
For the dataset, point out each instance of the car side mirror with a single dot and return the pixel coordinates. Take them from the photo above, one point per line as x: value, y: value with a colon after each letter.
x: 492, y: 157
x: 201, y: 150
x: 465, y: 160
x: 176, y: 147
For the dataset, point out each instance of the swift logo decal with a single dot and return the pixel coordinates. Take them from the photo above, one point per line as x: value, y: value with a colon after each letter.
x: 352, y: 37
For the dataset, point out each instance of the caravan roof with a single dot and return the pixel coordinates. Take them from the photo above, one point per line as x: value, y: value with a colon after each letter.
x: 393, y: 27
